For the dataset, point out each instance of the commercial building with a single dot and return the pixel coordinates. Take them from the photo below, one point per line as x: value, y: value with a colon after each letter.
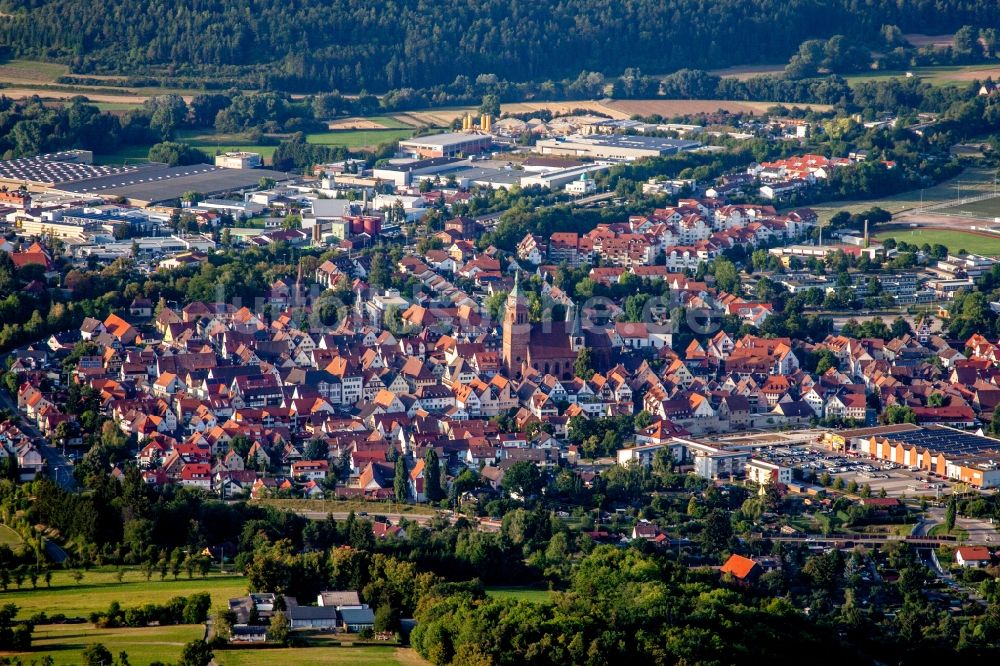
x: 762, y: 473
x: 403, y: 172
x: 51, y: 170
x: 152, y: 184
x: 613, y: 147
x: 147, y: 246
x: 452, y: 144
x: 948, y: 452
x: 556, y: 178
x: 239, y: 160
x: 643, y: 454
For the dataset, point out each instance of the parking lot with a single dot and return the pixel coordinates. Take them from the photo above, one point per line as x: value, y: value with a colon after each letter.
x: 895, y: 479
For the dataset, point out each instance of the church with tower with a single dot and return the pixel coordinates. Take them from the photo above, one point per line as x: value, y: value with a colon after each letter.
x: 547, y: 347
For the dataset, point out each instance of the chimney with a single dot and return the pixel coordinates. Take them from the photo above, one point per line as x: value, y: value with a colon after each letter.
x: 866, y: 233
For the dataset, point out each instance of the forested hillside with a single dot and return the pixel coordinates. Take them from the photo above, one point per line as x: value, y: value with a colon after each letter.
x: 359, y: 44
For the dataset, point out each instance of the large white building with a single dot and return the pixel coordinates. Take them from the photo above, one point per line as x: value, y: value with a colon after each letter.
x: 763, y: 473
x: 239, y: 160
x: 617, y: 147
x: 451, y: 144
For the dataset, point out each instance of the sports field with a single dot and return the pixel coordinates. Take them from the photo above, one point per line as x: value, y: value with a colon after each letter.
x: 986, y: 209
x: 99, y: 587
x: 363, y: 138
x: 968, y: 183
x: 953, y: 240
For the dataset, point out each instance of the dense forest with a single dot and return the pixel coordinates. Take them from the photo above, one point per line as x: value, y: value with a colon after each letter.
x: 352, y: 45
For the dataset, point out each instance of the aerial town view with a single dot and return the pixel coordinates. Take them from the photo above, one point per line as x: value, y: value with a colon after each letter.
x: 500, y: 333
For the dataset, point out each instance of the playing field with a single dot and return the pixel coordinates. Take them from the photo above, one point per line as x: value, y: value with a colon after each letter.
x: 953, y: 240
x: 64, y: 643
x: 987, y: 209
x: 359, y: 138
x: 968, y: 183
x: 99, y: 588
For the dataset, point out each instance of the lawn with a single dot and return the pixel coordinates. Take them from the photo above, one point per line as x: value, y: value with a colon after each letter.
x: 320, y: 656
x: 65, y: 642
x: 99, y: 588
x: 9, y: 537
x: 359, y: 138
x: 532, y: 594
x: 959, y: 533
x: 953, y: 240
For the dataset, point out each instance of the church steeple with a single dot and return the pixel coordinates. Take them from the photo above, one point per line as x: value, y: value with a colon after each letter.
x: 516, y: 330
x: 576, y: 337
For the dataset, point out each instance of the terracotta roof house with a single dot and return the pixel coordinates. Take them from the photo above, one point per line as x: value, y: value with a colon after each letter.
x: 972, y: 556
x: 743, y: 569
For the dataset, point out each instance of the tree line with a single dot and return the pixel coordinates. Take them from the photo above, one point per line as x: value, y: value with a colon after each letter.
x: 411, y: 44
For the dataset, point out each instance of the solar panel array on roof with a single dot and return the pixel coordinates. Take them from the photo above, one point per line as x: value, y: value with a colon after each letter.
x: 55, y: 168
x: 947, y: 441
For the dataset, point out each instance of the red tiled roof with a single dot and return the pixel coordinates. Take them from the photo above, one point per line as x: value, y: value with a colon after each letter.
x: 739, y: 566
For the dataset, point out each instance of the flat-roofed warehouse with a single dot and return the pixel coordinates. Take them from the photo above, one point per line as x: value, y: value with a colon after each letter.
x: 151, y: 184
x: 43, y: 172
x: 450, y: 144
x: 613, y: 146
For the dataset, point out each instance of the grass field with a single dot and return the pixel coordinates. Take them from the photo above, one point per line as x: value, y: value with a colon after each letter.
x: 30, y: 71
x: 117, y: 106
x: 100, y: 587
x: 953, y: 240
x: 986, y: 209
x: 971, y: 181
x: 320, y: 656
x: 532, y: 594
x: 938, y: 76
x: 369, y: 138
x: 346, y: 506
x: 129, y: 153
x: 64, y: 643
x: 9, y: 537
x: 959, y: 533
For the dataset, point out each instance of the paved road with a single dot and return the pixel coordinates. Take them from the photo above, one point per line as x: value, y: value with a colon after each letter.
x: 981, y: 532
x: 594, y: 198
x: 56, y: 463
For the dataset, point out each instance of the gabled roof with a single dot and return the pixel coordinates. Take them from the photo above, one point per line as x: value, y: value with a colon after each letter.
x: 740, y: 567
